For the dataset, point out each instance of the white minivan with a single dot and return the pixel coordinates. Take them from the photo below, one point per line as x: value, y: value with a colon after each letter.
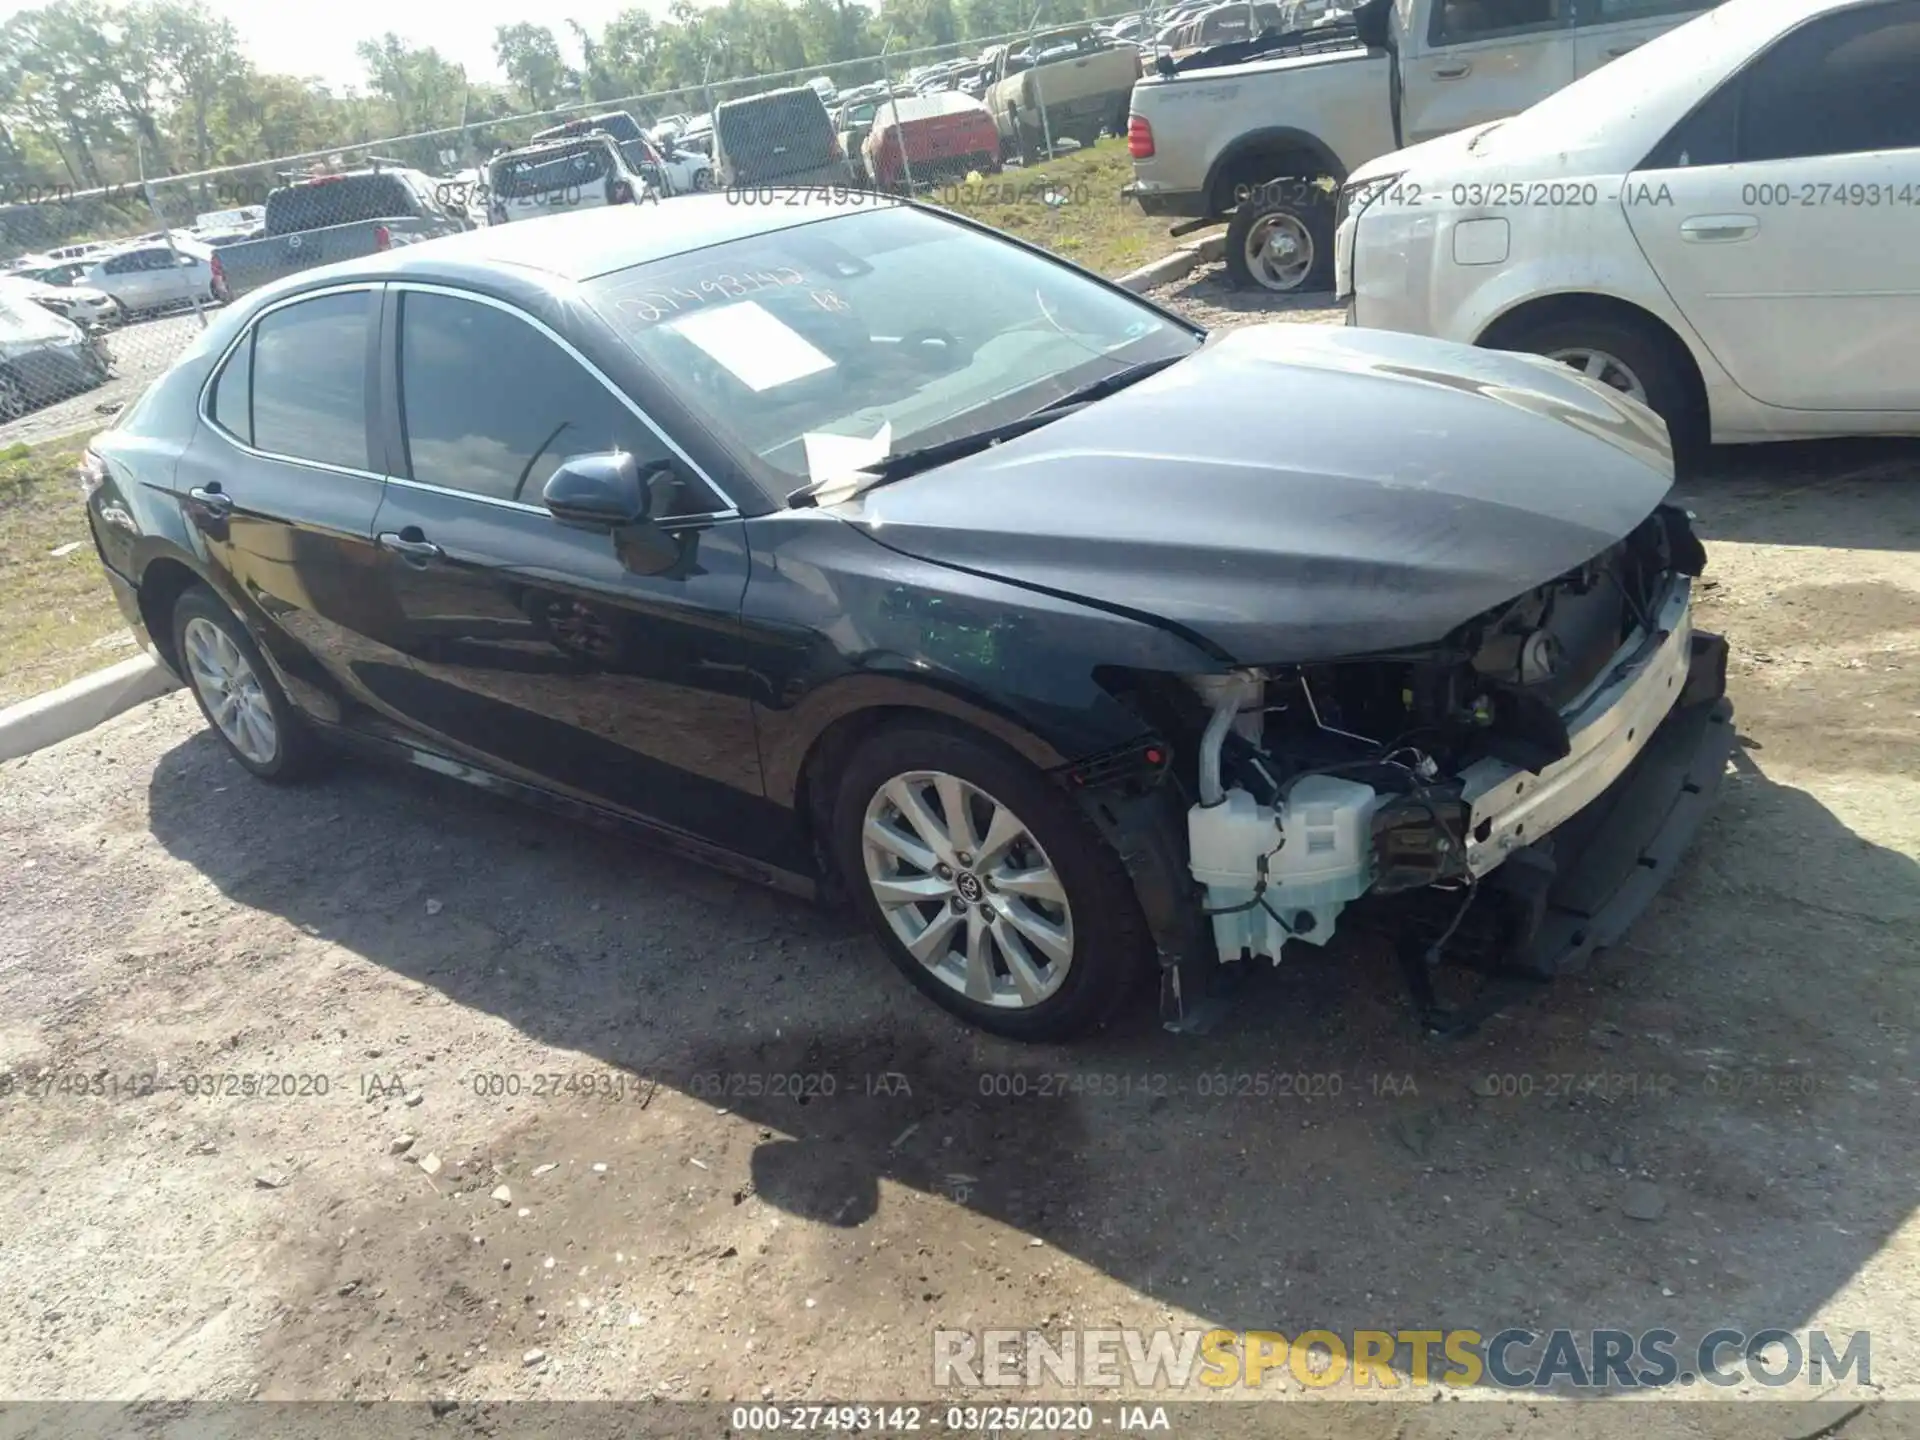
x: 555, y: 177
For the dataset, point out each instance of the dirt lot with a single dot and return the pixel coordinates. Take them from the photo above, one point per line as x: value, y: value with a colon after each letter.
x: 427, y: 951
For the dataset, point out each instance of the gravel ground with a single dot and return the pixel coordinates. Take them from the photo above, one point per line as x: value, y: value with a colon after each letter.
x: 1740, y: 1072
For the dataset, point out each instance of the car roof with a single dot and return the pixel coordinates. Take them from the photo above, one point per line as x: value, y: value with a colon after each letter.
x: 557, y: 142
x: 784, y: 93
x: 587, y: 243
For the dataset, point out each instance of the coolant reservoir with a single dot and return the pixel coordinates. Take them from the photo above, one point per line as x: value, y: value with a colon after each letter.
x: 1319, y: 849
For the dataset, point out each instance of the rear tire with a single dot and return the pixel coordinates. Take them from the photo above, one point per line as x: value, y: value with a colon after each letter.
x: 237, y: 692
x: 1037, y: 935
x: 1629, y: 358
x: 1281, y: 239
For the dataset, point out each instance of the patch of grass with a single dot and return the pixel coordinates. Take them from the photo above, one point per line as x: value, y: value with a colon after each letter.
x: 57, y: 617
x: 1096, y: 227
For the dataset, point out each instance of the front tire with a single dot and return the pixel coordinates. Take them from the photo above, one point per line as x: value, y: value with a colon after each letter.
x: 237, y: 692
x: 986, y: 886
x: 1281, y: 240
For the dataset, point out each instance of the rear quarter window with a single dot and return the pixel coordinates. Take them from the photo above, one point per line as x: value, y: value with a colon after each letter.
x: 230, y: 406
x: 543, y: 174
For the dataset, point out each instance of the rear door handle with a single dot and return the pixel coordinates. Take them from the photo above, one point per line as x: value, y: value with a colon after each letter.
x: 221, y: 505
x: 1614, y: 52
x: 1719, y: 229
x: 1455, y: 71
x: 411, y: 544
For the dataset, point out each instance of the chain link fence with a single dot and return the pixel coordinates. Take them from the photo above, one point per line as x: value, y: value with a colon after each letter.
x: 104, y: 288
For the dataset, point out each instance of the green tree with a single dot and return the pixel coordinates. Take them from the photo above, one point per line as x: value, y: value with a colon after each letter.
x: 531, y: 58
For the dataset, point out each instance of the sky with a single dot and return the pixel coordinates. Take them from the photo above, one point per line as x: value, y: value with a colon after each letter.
x: 318, y: 40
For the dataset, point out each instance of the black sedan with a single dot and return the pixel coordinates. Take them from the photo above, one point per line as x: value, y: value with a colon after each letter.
x: 868, y: 552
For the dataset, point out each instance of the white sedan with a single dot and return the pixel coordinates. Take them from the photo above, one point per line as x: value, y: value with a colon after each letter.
x: 1724, y: 224
x: 684, y: 171
x: 149, y: 277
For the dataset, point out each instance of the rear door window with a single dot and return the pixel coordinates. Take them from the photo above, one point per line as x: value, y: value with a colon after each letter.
x: 550, y: 172
x: 1841, y: 85
x: 231, y: 404
x: 310, y: 380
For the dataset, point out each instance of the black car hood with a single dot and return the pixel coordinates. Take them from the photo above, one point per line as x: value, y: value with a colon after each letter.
x: 1294, y: 492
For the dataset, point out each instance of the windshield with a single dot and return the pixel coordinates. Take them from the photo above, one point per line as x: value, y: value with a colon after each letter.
x: 828, y: 345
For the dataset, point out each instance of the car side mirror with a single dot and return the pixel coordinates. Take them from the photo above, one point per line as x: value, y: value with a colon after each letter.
x: 598, y: 492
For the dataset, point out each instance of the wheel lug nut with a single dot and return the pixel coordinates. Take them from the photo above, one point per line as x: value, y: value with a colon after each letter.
x: 945, y: 872
x: 964, y: 858
x: 959, y: 906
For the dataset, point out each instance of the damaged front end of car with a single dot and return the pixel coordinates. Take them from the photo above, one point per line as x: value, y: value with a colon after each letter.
x: 1511, y: 796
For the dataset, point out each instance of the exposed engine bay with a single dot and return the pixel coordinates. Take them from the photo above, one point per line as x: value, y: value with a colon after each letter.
x: 1319, y: 783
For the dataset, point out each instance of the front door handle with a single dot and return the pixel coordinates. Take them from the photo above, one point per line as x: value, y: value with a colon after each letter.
x: 410, y: 544
x: 1719, y: 229
x: 217, y: 502
x: 1457, y: 70
x: 1614, y: 52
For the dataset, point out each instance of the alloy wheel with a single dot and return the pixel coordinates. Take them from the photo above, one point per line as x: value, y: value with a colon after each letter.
x: 968, y: 890
x: 225, y: 682
x: 1280, y: 251
x: 1609, y: 370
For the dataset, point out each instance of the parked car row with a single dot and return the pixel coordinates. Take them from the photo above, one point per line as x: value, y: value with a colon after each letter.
x: 1071, y: 84
x: 109, y: 283
x: 668, y: 167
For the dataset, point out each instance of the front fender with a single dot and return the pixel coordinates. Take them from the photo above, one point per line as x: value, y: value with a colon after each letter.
x: 843, y: 624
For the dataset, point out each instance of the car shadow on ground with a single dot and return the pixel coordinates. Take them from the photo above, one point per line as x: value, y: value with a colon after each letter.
x: 1736, y: 1075
x: 1859, y: 494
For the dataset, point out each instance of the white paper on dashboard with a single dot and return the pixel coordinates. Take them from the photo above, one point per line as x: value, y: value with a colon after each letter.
x: 829, y: 457
x: 753, y: 344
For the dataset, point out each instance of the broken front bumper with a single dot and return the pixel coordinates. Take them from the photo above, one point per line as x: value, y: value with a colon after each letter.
x: 1608, y: 725
x: 1574, y: 853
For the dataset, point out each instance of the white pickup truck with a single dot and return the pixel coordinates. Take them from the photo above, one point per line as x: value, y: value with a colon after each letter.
x: 1267, y: 129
